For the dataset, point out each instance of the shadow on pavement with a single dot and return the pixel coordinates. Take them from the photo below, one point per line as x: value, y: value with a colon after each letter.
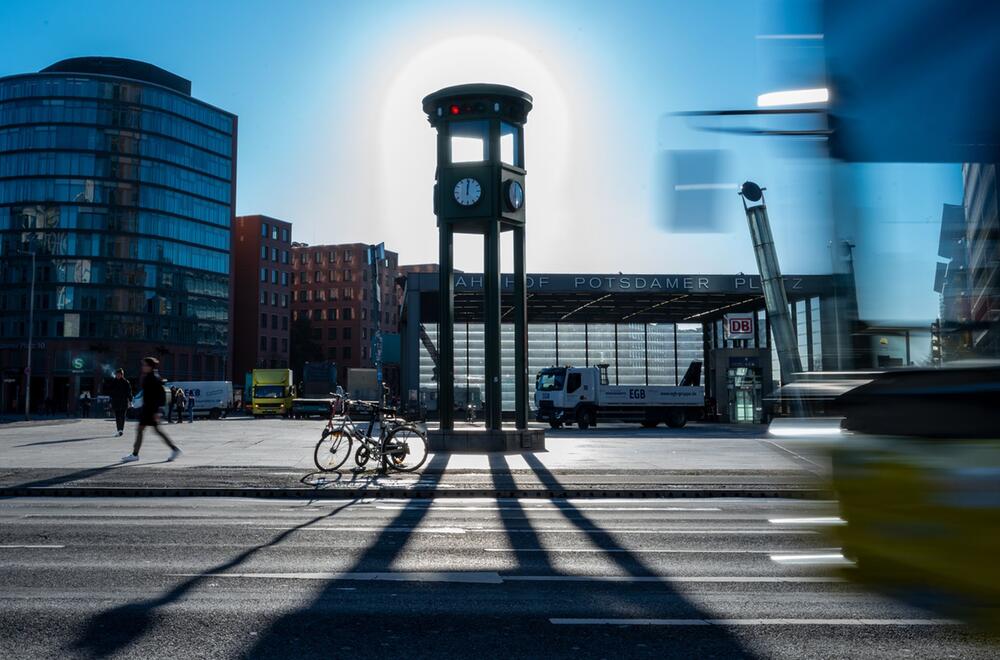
x: 60, y: 479
x: 524, y: 541
x: 59, y: 442
x: 629, y: 563
x: 112, y: 630
x: 285, y: 638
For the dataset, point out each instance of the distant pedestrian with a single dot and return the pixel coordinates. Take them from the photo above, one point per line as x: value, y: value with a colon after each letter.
x: 85, y: 403
x: 120, y: 392
x: 170, y: 405
x: 153, y: 397
x: 180, y: 404
x: 190, y: 407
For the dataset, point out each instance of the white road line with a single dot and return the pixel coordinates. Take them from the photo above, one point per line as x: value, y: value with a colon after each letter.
x: 501, y: 530
x: 756, y: 622
x: 738, y: 551
x: 555, y: 509
x: 827, y: 520
x: 33, y: 547
x: 489, y: 577
x: 477, y: 577
x: 828, y: 559
x: 670, y: 579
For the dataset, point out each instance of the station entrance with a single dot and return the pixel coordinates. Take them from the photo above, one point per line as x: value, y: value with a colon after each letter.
x: 648, y: 328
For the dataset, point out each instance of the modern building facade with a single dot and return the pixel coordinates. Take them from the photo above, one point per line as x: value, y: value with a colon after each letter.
x: 646, y: 328
x: 262, y: 293
x: 982, y: 215
x: 333, y: 301
x: 122, y: 185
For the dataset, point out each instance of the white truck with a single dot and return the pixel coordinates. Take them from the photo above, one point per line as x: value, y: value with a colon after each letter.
x: 582, y: 395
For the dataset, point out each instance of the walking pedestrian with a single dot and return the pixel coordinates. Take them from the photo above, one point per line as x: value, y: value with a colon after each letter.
x: 180, y: 404
x: 85, y: 403
x: 153, y: 397
x: 170, y: 404
x: 190, y: 407
x: 120, y: 392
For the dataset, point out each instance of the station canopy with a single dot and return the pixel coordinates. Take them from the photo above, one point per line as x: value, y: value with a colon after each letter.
x: 617, y: 298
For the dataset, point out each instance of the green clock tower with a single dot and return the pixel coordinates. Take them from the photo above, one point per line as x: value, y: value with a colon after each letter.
x: 480, y: 189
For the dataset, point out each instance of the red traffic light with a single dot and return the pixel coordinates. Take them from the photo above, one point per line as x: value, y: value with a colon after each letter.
x: 454, y: 109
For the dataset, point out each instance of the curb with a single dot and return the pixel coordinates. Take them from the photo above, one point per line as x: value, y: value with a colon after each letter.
x: 418, y: 493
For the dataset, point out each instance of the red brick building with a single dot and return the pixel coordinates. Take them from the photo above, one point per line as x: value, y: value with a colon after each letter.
x: 332, y: 291
x: 262, y: 278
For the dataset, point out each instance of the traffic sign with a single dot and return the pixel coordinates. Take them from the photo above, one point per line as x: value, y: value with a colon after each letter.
x: 739, y: 326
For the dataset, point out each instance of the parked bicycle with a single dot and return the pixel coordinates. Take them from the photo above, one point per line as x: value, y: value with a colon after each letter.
x: 383, y: 438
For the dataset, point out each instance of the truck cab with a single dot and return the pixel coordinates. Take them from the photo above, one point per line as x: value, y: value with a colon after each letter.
x: 273, y: 392
x: 563, y: 392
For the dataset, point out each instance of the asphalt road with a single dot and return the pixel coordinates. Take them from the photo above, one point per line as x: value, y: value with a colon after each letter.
x: 218, y: 578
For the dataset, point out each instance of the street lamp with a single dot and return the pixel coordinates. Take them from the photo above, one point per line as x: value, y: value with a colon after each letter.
x: 31, y: 337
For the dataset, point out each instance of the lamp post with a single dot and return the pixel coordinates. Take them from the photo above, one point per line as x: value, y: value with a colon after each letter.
x: 31, y: 335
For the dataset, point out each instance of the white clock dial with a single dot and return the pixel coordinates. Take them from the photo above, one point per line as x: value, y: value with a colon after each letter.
x: 468, y: 191
x: 515, y: 195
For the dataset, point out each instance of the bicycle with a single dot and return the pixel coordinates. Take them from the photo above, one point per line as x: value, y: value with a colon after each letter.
x: 399, y: 445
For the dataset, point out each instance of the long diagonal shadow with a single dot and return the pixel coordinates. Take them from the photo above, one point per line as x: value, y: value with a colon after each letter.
x: 114, y: 629
x: 632, y: 564
x: 68, y: 477
x: 523, y: 540
x: 280, y: 638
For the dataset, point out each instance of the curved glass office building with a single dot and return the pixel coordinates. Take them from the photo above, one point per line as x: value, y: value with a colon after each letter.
x: 122, y: 186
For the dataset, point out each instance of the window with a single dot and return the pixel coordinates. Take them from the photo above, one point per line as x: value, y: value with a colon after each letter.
x: 331, y: 256
x: 263, y: 252
x: 347, y: 352
x: 274, y: 233
x: 284, y: 278
x: 263, y: 274
x: 284, y: 238
x: 274, y: 321
x: 263, y: 320
x: 274, y: 300
x: 347, y: 333
x: 574, y: 382
x: 345, y: 314
x: 263, y: 297
x: 470, y: 141
x: 274, y: 344
x: 284, y: 322
x: 284, y: 300
x: 263, y: 343
x: 263, y: 229
x: 364, y: 313
x: 284, y: 254
x: 331, y: 314
x: 331, y: 353
x: 274, y: 254
x: 510, y: 146
x: 284, y: 344
x: 331, y: 333
x: 274, y: 277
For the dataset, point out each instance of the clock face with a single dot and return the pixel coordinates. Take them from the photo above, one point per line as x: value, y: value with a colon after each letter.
x: 468, y: 191
x: 515, y: 195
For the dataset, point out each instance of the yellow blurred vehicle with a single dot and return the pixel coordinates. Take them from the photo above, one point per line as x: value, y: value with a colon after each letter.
x: 918, y: 479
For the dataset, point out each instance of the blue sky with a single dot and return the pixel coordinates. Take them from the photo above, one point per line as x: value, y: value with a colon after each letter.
x: 332, y: 137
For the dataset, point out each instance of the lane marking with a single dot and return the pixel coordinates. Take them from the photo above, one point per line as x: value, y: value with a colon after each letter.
x: 669, y: 579
x: 475, y: 577
x: 738, y: 551
x: 530, y: 530
x: 490, y: 577
x: 819, y: 520
x: 827, y: 559
x: 756, y: 622
x: 33, y: 547
x: 554, y: 509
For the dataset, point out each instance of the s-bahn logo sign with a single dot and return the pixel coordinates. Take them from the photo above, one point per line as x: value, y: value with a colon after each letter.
x: 738, y: 326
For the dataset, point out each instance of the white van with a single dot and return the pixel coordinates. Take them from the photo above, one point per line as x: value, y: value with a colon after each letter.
x: 212, y: 398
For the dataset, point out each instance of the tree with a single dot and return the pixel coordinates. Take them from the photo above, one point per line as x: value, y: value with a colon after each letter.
x: 303, y: 347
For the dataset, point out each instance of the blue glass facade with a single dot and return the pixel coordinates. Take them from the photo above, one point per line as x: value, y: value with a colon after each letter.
x: 124, y: 190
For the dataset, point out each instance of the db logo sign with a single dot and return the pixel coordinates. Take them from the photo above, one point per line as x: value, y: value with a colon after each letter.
x: 739, y: 326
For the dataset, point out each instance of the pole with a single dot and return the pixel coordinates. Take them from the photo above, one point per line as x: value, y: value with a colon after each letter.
x: 31, y: 337
x: 775, y: 298
x: 446, y: 329
x: 494, y: 405
x: 520, y: 333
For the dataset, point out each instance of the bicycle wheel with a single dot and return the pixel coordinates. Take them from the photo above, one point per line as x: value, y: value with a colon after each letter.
x: 405, y: 448
x: 333, y: 449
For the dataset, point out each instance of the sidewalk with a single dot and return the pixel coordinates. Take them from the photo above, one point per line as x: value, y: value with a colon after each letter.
x: 274, y: 458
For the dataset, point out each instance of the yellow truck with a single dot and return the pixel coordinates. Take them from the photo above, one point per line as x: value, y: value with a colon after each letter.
x: 272, y: 393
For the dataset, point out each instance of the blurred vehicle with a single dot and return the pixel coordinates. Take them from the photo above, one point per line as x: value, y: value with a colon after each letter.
x: 212, y: 398
x: 272, y: 392
x: 319, y: 380
x: 918, y: 477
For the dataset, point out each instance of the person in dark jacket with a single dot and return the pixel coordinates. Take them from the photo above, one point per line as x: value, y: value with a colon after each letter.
x: 153, y: 397
x: 120, y: 392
